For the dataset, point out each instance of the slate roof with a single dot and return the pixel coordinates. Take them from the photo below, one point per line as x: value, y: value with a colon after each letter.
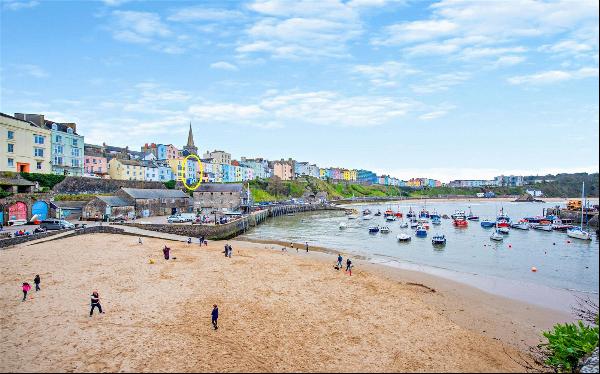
x: 219, y: 187
x: 141, y: 193
x: 115, y: 201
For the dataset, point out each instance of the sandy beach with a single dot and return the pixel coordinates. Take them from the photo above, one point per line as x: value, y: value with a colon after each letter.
x: 279, y: 311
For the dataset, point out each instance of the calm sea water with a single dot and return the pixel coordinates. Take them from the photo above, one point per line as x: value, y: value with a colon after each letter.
x: 560, y: 264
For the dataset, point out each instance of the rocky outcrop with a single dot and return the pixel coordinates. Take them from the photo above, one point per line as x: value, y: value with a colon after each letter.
x: 82, y: 185
x: 590, y: 365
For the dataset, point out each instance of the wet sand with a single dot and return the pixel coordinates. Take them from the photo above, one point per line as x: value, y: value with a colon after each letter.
x: 286, y: 311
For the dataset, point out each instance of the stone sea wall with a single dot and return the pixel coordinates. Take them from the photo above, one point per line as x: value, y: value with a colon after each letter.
x: 82, y: 185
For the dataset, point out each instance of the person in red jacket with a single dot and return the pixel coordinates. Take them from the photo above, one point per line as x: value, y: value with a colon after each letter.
x: 26, y: 287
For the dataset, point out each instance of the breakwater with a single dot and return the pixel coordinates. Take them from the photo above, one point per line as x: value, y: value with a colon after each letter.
x: 233, y: 228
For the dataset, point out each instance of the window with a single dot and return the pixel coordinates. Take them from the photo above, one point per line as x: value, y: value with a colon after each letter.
x: 75, y: 163
x: 75, y: 152
x: 39, y: 165
x: 58, y: 138
x: 58, y: 149
x: 87, y: 160
x: 11, y: 134
x: 69, y: 130
x: 94, y: 161
x: 11, y: 162
x: 38, y: 139
x: 54, y: 126
x: 58, y: 160
x: 38, y: 152
x: 11, y: 148
x: 74, y: 142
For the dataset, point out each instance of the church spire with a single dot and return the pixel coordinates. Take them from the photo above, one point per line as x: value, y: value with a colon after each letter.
x: 190, y: 142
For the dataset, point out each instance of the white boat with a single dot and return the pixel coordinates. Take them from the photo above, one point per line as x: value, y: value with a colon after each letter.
x: 579, y: 232
x: 343, y: 225
x: 367, y: 217
x: 503, y: 230
x: 384, y: 230
x: 459, y: 214
x: 403, y: 237
x: 521, y: 225
x: 17, y: 222
x: 353, y: 216
x: 497, y: 236
x: 390, y: 218
x: 403, y: 225
x: 541, y: 227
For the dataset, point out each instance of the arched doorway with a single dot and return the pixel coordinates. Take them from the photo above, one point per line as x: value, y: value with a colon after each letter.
x: 17, y: 211
x: 40, y: 208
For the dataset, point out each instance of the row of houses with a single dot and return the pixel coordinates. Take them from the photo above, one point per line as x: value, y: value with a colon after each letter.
x: 499, y: 181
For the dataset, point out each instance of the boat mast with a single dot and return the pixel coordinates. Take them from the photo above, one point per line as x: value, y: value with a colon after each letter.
x: 582, y: 197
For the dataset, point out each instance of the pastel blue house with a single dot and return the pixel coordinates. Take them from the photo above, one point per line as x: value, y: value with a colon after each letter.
x: 66, y: 149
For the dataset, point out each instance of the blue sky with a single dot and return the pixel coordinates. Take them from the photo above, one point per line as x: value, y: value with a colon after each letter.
x: 446, y: 90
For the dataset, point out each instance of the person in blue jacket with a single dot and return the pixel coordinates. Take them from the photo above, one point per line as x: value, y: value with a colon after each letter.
x: 215, y: 316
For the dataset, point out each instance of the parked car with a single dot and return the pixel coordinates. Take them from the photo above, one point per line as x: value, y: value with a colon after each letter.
x: 56, y: 224
x: 120, y: 219
x: 177, y: 218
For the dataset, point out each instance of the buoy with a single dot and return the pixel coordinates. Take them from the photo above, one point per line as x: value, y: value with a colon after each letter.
x: 510, y: 246
x: 568, y: 241
x: 553, y: 243
x: 151, y: 261
x: 533, y: 269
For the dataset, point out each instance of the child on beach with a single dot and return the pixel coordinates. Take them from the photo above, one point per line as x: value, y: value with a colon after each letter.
x: 95, y: 303
x: 166, y: 251
x: 215, y: 316
x: 26, y: 288
x: 37, y: 282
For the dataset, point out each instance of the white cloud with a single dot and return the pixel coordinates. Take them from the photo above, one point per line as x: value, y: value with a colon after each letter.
x: 18, y: 5
x: 554, y: 76
x: 200, y: 13
x: 385, y: 74
x: 223, y: 65
x: 441, y: 82
x: 226, y: 112
x: 115, y: 3
x: 416, y: 31
x: 31, y: 70
x: 508, y: 61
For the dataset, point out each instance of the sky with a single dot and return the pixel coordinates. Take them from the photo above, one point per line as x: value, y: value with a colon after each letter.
x: 440, y: 89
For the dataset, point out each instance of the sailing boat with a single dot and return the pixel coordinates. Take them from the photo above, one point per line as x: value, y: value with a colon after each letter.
x: 496, y: 235
x: 578, y: 232
x: 471, y: 216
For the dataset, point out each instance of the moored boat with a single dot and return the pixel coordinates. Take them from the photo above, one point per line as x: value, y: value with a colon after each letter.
x: 486, y: 224
x: 543, y: 225
x: 384, y: 230
x: 438, y: 239
x: 561, y: 225
x: 367, y: 217
x: 390, y: 218
x: 471, y: 216
x: 343, y: 225
x: 458, y: 214
x: 521, y: 225
x: 436, y: 221
x: 460, y: 222
x: 402, y: 237
x: 421, y: 232
x: 579, y: 232
x: 403, y: 224
x: 377, y: 214
x: 497, y: 236
x: 503, y: 230
x: 373, y: 229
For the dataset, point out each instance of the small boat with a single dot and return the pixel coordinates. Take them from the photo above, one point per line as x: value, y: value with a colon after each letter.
x: 503, y: 230
x: 423, y: 220
x: 384, y: 230
x: 343, y: 225
x: 458, y: 214
x: 486, y: 224
x: 353, y: 216
x: 438, y: 239
x: 403, y: 225
x: 410, y: 213
x: 579, y: 233
x: 560, y: 225
x: 434, y: 214
x: 424, y: 213
x: 388, y: 213
x: 421, y: 232
x: 373, y: 229
x: 542, y: 226
x: 17, y: 222
x: 403, y: 237
x: 367, y: 217
x: 377, y: 214
x: 436, y: 221
x: 413, y: 223
x: 471, y: 216
x: 445, y: 216
x: 497, y: 236
x: 521, y: 225
x: 398, y: 215
x: 460, y: 222
x: 366, y: 212
x: 503, y: 220
x: 390, y: 218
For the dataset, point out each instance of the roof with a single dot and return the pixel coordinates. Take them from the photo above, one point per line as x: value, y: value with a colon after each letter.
x: 62, y: 127
x: 219, y: 187
x: 141, y: 193
x: 130, y: 162
x: 68, y: 204
x: 114, y: 201
x: 17, y: 119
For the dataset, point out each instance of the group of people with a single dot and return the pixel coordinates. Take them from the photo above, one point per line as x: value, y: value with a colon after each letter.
x: 26, y: 287
x: 284, y: 249
x: 339, y: 265
x: 228, y: 250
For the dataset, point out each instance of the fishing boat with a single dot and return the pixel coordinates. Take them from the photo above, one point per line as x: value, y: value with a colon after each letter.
x: 421, y: 232
x: 398, y: 214
x: 388, y: 213
x: 503, y: 220
x: 410, y: 213
x: 561, y: 225
x: 471, y: 216
x: 413, y: 223
x: 403, y: 224
x: 579, y: 232
x: 460, y: 222
x: 542, y: 226
x: 503, y: 230
x: 367, y: 217
x: 436, y: 221
x: 496, y: 236
x: 487, y: 224
x: 521, y: 225
x: 343, y: 225
x: 390, y: 218
x: 373, y: 229
x: 402, y: 237
x: 384, y: 230
x: 438, y: 239
x: 458, y: 214
x: 424, y: 213
x: 434, y: 214
x: 377, y: 214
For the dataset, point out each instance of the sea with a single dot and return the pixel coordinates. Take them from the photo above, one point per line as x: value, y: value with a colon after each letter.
x: 562, y: 263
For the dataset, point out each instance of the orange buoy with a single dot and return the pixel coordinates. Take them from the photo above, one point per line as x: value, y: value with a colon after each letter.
x: 533, y: 269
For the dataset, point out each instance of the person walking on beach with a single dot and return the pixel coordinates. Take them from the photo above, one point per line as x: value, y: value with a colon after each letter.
x: 95, y: 303
x: 189, y: 240
x: 349, y: 266
x: 292, y: 246
x: 140, y: 240
x: 306, y: 247
x: 166, y: 252
x: 339, y: 263
x: 230, y: 251
x: 37, y: 282
x: 226, y: 249
x: 215, y: 316
x: 26, y: 287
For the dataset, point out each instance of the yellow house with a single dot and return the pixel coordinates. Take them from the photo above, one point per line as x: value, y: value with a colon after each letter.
x: 346, y: 174
x: 353, y: 175
x: 126, y: 170
x: 25, y: 146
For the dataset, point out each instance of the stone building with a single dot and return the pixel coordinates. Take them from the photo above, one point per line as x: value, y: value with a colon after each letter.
x: 102, y: 207
x: 157, y: 202
x: 217, y: 196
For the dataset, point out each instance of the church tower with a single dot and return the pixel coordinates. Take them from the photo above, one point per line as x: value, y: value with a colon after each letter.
x: 190, y: 147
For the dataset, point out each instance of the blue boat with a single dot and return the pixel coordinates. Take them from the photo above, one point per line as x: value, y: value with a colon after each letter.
x: 436, y: 221
x: 435, y: 214
x: 421, y: 232
x: 487, y: 224
x: 373, y: 229
x: 438, y: 240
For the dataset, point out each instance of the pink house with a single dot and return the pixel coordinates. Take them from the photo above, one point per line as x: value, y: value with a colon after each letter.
x: 95, y: 165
